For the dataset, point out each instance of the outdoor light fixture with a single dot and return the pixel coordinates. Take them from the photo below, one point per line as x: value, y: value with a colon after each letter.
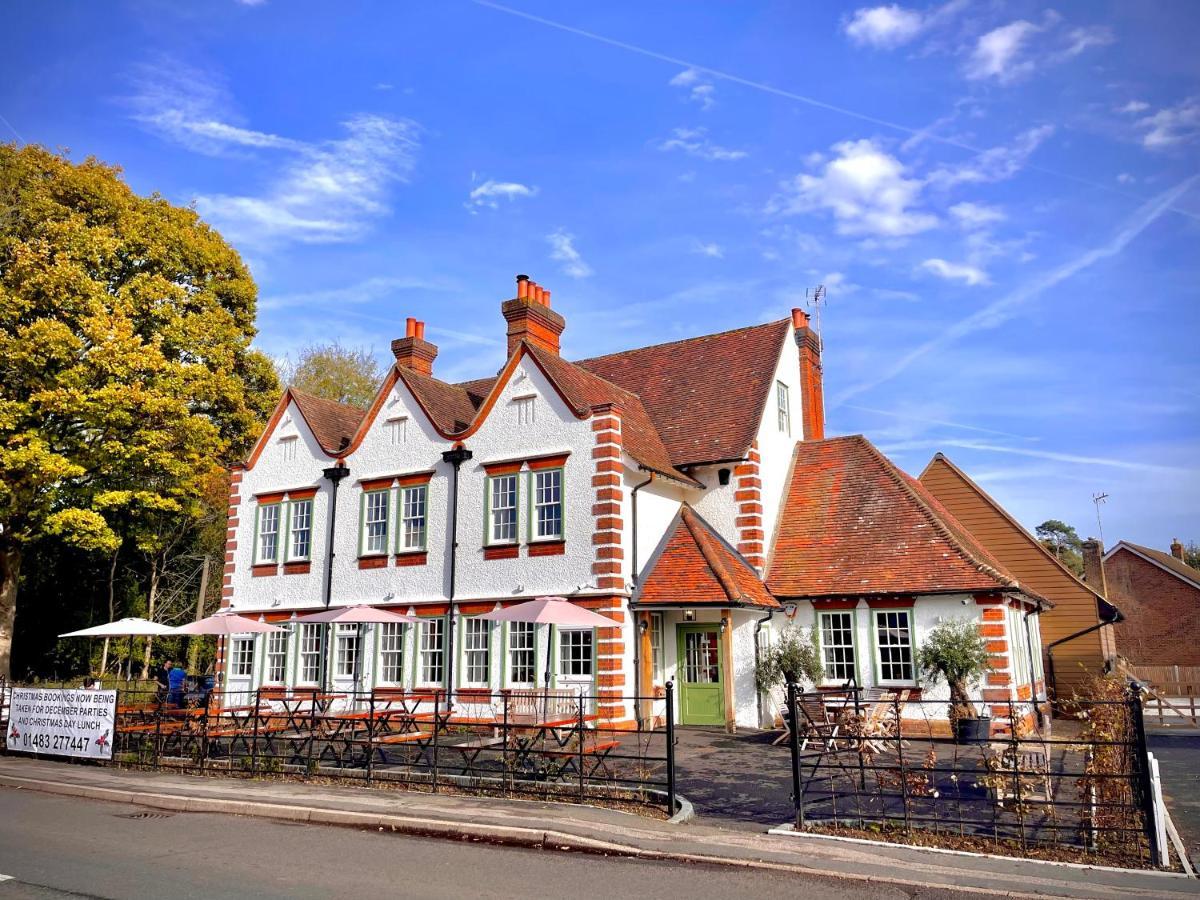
x: 689, y: 615
x: 724, y: 624
x: 643, y: 625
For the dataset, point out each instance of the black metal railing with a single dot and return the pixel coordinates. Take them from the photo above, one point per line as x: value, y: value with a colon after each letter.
x: 552, y: 745
x: 886, y: 764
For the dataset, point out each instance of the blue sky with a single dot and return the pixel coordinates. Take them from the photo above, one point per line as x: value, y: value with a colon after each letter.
x: 1000, y: 197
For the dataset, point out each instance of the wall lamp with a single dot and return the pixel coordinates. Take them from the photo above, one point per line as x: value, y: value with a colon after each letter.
x: 642, y: 626
x: 724, y: 624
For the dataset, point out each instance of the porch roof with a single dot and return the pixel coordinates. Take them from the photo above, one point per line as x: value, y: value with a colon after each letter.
x: 695, y: 566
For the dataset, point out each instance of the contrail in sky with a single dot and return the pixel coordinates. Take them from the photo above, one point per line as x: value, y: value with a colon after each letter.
x: 1001, y: 310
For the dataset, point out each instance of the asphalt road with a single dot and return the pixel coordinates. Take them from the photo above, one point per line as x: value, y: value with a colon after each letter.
x: 1179, y: 764
x: 52, y: 847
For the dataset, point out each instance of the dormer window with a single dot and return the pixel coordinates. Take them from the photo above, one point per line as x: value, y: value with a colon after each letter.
x: 526, y: 410
x: 288, y: 446
x: 397, y: 430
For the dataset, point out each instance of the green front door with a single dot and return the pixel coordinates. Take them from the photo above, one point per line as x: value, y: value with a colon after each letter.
x: 701, y: 692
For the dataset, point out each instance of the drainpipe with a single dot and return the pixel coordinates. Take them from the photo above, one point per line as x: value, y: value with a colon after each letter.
x: 456, y: 456
x: 335, y: 474
x: 758, y: 624
x: 637, y: 644
x: 1109, y: 615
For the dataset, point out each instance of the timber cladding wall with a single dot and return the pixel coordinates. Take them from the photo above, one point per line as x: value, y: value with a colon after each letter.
x: 1162, y: 626
x: 1074, y: 605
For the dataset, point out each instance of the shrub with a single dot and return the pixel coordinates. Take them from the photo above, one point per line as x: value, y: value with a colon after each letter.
x: 957, y: 652
x: 794, y: 657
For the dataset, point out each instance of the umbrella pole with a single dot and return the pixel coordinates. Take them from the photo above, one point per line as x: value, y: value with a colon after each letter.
x: 549, y: 663
x: 129, y: 662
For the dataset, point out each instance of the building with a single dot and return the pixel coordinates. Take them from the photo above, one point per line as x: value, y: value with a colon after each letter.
x: 1160, y: 596
x: 668, y: 487
x: 1074, y: 628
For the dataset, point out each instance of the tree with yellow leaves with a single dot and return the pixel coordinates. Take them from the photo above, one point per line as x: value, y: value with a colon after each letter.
x: 126, y: 371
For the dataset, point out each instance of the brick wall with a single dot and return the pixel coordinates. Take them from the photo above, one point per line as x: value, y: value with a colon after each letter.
x: 1162, y: 626
x: 748, y: 496
x: 608, y: 567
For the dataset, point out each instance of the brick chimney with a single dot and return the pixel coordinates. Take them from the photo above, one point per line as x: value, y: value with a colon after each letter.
x: 412, y: 351
x: 1177, y: 549
x: 812, y: 391
x: 1093, y: 565
x: 530, y: 317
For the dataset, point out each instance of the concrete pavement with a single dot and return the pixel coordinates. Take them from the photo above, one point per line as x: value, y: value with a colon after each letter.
x: 564, y: 826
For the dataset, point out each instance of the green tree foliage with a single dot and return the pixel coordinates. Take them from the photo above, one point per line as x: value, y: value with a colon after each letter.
x: 794, y: 657
x: 1191, y: 554
x: 1062, y: 540
x: 126, y: 372
x: 345, y: 374
x: 957, y: 652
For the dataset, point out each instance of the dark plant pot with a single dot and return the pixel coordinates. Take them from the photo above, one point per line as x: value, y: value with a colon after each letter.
x: 973, y: 731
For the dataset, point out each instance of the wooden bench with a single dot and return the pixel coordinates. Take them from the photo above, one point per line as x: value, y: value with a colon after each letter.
x: 596, y: 752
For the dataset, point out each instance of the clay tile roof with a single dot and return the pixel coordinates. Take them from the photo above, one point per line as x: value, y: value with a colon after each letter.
x: 694, y: 566
x: 333, y: 424
x: 705, y: 395
x: 1176, y: 567
x: 854, y: 524
x: 583, y: 390
x: 449, y: 405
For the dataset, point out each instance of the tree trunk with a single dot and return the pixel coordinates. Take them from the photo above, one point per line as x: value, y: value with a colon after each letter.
x: 10, y: 569
x: 961, y: 706
x: 194, y: 641
x: 112, y: 578
x: 155, y: 574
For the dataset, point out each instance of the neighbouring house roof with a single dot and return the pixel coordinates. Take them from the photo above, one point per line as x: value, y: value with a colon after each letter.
x: 853, y: 524
x: 705, y: 395
x: 1165, y: 561
x: 1031, y: 541
x: 695, y: 566
x: 333, y: 424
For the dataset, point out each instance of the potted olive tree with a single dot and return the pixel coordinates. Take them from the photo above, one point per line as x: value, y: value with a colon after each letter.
x: 795, y: 657
x: 957, y: 652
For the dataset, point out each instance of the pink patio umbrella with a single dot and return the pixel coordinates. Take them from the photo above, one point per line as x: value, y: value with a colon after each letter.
x: 356, y: 615
x: 550, y: 611
x: 225, y: 624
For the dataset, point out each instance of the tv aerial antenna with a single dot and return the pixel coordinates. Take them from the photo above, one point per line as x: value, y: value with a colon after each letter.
x: 815, y: 297
x: 1099, y: 498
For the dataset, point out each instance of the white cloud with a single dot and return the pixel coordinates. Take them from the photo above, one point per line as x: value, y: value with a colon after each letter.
x: 884, y: 26
x: 1171, y: 125
x: 1125, y: 178
x: 975, y: 215
x: 327, y: 192
x: 968, y: 275
x: 320, y: 192
x: 1081, y: 39
x: 563, y: 249
x: 251, y: 2
x: 700, y: 89
x: 995, y: 164
x: 490, y: 193
x: 997, y: 53
x: 710, y: 249
x: 865, y: 188
x: 695, y: 142
x: 1133, y: 107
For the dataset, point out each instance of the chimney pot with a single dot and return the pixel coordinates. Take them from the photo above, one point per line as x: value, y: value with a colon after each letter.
x: 410, y: 326
x: 530, y: 318
x: 545, y: 298
x: 799, y: 317
x: 420, y: 332
x: 522, y: 286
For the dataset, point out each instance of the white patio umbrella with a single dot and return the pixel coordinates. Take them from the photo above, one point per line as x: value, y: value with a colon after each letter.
x: 550, y: 611
x: 130, y: 627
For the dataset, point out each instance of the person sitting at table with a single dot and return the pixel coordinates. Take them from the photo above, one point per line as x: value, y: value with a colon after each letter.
x: 162, y: 683
x: 176, y: 675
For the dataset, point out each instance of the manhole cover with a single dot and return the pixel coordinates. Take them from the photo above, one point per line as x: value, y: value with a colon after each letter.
x: 145, y: 814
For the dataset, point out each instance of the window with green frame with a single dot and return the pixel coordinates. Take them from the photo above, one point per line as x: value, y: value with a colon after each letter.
x: 522, y: 653
x: 476, y: 652
x: 268, y: 517
x: 391, y: 653
x: 411, y: 532
x: 501, y: 505
x: 893, y: 646
x: 836, y: 635
x: 546, y: 504
x: 299, y: 530
x: 576, y: 652
x: 656, y: 648
x: 376, y: 512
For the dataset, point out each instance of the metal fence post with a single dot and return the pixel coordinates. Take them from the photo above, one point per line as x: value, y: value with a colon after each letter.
x: 579, y: 738
x: 794, y: 746
x: 255, y: 714
x: 437, y: 700
x: 370, y: 735
x: 509, y: 775
x: 1143, y: 764
x: 671, y: 747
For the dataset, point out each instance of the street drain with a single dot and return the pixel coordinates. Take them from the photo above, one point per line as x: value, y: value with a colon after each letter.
x: 145, y: 815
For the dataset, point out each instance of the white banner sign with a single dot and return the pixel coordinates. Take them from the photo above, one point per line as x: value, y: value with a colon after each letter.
x: 61, y: 721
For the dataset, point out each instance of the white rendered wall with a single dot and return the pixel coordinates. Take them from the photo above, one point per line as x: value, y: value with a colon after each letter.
x: 776, y: 447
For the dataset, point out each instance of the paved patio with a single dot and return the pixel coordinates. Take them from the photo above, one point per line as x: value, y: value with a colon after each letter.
x: 740, y: 778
